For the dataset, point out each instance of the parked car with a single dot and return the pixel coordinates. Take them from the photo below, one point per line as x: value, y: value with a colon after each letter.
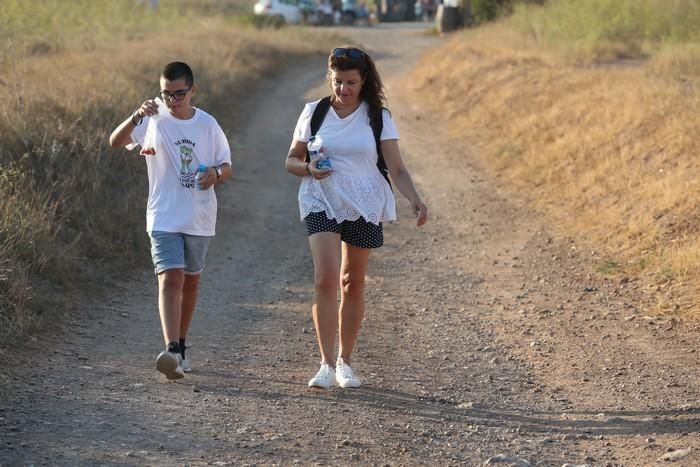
x: 353, y: 12
x: 287, y: 11
x: 296, y: 11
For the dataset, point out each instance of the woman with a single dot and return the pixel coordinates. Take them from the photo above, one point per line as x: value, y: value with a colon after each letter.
x: 344, y: 206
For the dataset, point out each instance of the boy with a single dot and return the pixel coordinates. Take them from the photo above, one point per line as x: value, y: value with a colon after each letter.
x: 181, y: 210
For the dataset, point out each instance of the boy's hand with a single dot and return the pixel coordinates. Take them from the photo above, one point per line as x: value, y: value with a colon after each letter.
x: 207, y: 179
x: 147, y: 109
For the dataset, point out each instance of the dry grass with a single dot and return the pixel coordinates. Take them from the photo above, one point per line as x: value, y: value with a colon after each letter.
x: 72, y: 205
x: 46, y: 26
x: 608, y: 152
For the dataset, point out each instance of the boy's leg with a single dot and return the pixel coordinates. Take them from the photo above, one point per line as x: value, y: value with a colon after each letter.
x: 189, y: 300
x: 170, y: 284
x: 169, y: 303
x: 196, y: 247
x: 168, y: 253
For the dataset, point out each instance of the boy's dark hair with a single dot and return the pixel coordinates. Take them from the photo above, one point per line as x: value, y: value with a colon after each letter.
x: 174, y: 71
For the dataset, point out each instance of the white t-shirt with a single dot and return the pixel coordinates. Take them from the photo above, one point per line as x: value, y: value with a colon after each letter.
x: 174, y: 205
x: 355, y: 188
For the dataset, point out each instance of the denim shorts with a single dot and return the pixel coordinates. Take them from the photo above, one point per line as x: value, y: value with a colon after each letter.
x: 173, y: 250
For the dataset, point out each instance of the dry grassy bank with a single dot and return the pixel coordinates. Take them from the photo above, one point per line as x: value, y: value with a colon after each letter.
x: 73, y: 207
x: 607, y: 151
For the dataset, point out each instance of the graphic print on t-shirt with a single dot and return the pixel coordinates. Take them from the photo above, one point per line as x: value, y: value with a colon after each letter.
x: 186, y: 174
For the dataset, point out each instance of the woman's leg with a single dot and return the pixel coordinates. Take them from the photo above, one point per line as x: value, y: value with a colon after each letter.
x: 325, y: 250
x: 352, y: 301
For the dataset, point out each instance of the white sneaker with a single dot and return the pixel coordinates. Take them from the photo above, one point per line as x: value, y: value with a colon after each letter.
x: 325, y: 377
x: 344, y: 375
x: 168, y: 363
x: 186, y: 365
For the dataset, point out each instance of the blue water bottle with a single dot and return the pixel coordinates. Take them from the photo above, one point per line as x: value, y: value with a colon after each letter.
x: 317, y: 154
x: 201, y: 195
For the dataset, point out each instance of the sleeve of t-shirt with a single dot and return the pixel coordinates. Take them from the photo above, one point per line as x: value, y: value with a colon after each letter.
x: 138, y: 134
x: 222, y: 150
x: 302, y: 132
x: 389, y: 130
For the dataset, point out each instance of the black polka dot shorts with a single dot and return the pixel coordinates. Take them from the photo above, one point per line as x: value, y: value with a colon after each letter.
x: 359, y: 233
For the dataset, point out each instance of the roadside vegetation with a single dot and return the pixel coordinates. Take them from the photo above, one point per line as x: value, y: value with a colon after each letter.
x: 589, y: 110
x: 73, y: 209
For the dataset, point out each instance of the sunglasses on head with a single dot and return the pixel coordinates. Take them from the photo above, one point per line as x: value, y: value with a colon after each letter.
x: 348, y: 52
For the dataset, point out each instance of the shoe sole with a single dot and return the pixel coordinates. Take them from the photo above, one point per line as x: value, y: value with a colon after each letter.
x: 168, y: 365
x: 349, y: 385
x: 316, y: 385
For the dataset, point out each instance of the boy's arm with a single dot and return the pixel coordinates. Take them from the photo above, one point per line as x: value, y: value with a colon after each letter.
x: 121, y: 136
x: 211, y: 176
x: 222, y: 171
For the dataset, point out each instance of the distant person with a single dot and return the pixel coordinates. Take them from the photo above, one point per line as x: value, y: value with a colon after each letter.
x: 181, y: 210
x: 418, y: 10
x: 345, y: 206
x: 428, y: 8
x: 152, y: 4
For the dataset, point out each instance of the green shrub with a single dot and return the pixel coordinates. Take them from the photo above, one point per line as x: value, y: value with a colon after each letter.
x: 489, y: 10
x: 262, y: 21
x: 486, y: 10
x: 612, y: 20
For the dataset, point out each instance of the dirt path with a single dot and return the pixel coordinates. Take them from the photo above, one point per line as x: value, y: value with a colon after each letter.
x: 484, y: 335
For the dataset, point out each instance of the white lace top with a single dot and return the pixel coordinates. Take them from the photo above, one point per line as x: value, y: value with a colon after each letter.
x: 355, y: 188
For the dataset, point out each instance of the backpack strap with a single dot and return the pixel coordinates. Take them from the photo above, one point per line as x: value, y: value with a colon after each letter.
x: 318, y: 116
x: 376, y: 121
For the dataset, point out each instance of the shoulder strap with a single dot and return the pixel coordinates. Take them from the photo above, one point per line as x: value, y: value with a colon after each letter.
x: 376, y: 121
x: 318, y: 116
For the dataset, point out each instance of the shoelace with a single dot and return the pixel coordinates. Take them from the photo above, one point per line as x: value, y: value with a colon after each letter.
x: 345, y: 371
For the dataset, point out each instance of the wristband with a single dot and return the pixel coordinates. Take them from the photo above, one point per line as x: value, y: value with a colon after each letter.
x: 307, y: 168
x: 134, y: 121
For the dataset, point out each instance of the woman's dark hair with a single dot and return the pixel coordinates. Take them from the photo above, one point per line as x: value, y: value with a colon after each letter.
x: 372, y: 91
x: 174, y: 71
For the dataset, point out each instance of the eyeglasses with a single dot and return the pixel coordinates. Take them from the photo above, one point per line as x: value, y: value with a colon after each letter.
x: 177, y: 95
x: 343, y: 52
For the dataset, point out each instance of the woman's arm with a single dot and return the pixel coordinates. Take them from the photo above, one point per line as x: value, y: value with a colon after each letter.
x: 402, y: 179
x: 296, y: 162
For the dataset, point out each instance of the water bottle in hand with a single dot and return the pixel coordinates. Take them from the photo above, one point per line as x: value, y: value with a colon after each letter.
x: 316, y: 153
x: 151, y: 137
x: 162, y: 109
x: 200, y: 173
x: 201, y: 195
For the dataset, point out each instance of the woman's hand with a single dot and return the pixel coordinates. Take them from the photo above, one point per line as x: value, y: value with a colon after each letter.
x: 420, y: 210
x: 318, y: 174
x: 297, y: 164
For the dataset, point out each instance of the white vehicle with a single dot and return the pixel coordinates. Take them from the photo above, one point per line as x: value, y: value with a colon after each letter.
x: 286, y: 10
x: 297, y: 11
